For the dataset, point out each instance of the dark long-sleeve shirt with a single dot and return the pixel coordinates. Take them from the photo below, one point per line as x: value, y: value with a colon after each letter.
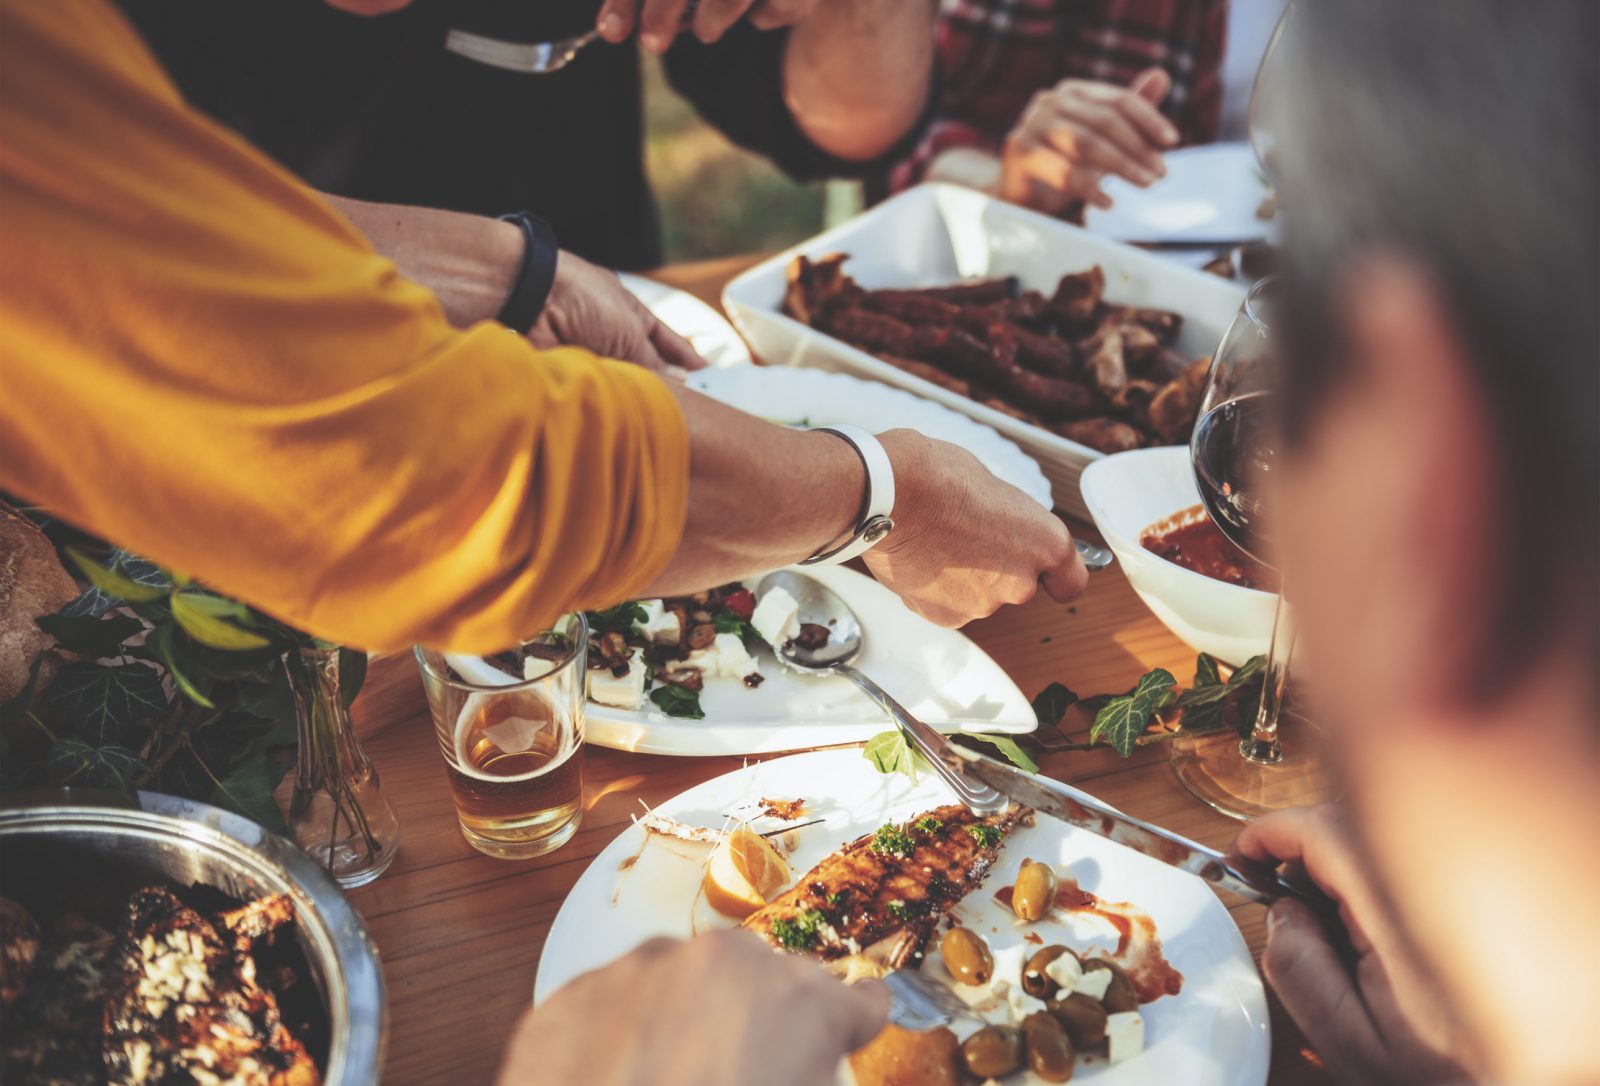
x: 381, y: 109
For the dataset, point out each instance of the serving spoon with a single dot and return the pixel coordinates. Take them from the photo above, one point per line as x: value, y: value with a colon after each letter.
x: 820, y: 606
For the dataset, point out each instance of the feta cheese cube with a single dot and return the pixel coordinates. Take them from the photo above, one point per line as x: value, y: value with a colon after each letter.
x: 1066, y: 971
x: 1124, y: 1035
x: 626, y: 692
x: 660, y: 625
x: 777, y: 617
x: 733, y: 659
x: 1093, y: 983
x: 1021, y: 1003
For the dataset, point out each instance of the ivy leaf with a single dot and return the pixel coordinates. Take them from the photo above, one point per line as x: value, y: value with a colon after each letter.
x: 73, y: 762
x: 1247, y: 671
x: 100, y: 705
x: 676, y: 701
x: 160, y: 641
x: 113, y: 582
x: 352, y: 673
x: 890, y: 752
x: 1204, y: 716
x: 205, y: 618
x: 1205, y: 671
x: 248, y: 791
x: 1123, y: 719
x: 91, y: 638
x: 1007, y: 746
x: 1052, y: 704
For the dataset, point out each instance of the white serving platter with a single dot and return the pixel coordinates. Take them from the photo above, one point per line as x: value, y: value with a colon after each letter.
x: 1214, y: 1032
x: 801, y: 397
x: 934, y: 235
x: 707, y: 331
x: 938, y: 674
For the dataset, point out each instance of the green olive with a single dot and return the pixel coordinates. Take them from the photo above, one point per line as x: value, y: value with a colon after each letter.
x: 967, y: 956
x: 1035, y: 981
x: 1120, y: 995
x: 1034, y: 895
x: 993, y: 1052
x: 1050, y: 1054
x: 1083, y: 1018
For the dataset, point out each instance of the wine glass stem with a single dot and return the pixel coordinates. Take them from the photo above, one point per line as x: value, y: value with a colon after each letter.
x: 1263, y: 746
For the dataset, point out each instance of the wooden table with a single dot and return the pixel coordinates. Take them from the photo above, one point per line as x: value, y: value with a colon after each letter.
x: 460, y: 934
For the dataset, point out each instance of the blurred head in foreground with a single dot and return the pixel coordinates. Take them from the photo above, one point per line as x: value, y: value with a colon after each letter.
x: 1439, y: 525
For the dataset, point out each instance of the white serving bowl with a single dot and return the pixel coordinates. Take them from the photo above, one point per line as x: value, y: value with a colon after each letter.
x: 1130, y: 491
x: 934, y: 235
x: 799, y: 397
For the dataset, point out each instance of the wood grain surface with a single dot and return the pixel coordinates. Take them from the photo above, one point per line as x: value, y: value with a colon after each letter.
x: 460, y: 934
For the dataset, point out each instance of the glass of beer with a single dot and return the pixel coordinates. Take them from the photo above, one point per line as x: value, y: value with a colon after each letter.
x: 510, y: 726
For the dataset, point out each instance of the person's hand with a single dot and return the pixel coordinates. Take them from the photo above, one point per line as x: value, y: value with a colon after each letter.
x: 720, y: 1010
x: 589, y: 307
x: 1375, y: 1023
x: 1070, y: 136
x: 659, y: 21
x: 964, y: 542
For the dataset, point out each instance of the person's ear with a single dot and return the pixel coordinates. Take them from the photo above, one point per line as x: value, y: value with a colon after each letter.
x: 1429, y: 477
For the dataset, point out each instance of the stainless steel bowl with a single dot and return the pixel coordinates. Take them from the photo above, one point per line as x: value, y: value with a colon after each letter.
x: 187, y: 842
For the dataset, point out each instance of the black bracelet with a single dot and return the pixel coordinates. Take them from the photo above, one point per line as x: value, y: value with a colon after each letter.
x: 536, y: 276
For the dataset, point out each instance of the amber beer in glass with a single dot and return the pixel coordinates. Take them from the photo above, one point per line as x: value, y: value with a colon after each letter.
x: 510, y: 727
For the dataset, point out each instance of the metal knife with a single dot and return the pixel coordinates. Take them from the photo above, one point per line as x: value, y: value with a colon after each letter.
x: 1252, y: 882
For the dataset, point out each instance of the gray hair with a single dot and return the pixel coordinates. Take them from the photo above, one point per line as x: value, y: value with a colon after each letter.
x: 1465, y: 136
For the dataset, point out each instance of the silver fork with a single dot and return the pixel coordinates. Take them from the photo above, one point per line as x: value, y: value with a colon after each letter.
x: 552, y: 56
x: 542, y: 58
x: 920, y: 1003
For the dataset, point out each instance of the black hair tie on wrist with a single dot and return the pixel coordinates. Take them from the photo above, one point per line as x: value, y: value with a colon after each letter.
x: 536, y: 276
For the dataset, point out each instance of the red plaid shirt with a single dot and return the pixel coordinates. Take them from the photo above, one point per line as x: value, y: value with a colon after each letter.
x: 995, y: 54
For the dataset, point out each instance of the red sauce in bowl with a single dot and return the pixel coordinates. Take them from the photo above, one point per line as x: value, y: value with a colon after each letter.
x: 1189, y: 539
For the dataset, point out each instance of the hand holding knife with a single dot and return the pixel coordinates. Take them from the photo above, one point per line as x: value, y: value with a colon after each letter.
x: 1253, y: 882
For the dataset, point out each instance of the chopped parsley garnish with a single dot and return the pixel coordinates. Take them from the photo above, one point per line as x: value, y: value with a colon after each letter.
x: 676, y: 701
x: 891, y: 840
x: 799, y: 933
x: 619, y: 618
x: 929, y: 824
x: 986, y: 835
x: 836, y: 898
x: 899, y: 910
x: 727, y: 622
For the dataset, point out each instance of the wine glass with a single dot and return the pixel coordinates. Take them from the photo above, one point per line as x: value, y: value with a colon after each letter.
x: 1233, y: 453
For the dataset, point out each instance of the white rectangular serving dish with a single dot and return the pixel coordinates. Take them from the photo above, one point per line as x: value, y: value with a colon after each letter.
x: 935, y: 235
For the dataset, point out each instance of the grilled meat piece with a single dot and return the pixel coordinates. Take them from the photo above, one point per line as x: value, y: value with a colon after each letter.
x: 179, y: 1001
x: 1078, y: 296
x: 1105, y: 434
x: 896, y: 884
x: 255, y: 921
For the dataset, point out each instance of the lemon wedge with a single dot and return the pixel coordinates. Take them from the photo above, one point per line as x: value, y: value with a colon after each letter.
x: 744, y: 872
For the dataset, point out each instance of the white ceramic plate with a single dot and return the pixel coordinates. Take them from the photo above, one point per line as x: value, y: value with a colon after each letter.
x: 793, y: 397
x: 936, y: 673
x: 1210, y: 193
x: 1213, y: 1033
x: 707, y: 331
x: 935, y: 235
x: 1130, y: 491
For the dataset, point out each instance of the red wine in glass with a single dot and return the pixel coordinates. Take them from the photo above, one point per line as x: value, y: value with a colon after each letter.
x: 1232, y: 450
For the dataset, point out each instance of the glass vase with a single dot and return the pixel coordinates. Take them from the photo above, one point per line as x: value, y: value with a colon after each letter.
x: 337, y: 813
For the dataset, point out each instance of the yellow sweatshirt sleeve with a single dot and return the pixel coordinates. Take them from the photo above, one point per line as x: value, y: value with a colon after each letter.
x: 202, y: 362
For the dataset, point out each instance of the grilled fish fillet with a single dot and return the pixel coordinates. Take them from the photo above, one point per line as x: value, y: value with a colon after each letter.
x: 894, y: 885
